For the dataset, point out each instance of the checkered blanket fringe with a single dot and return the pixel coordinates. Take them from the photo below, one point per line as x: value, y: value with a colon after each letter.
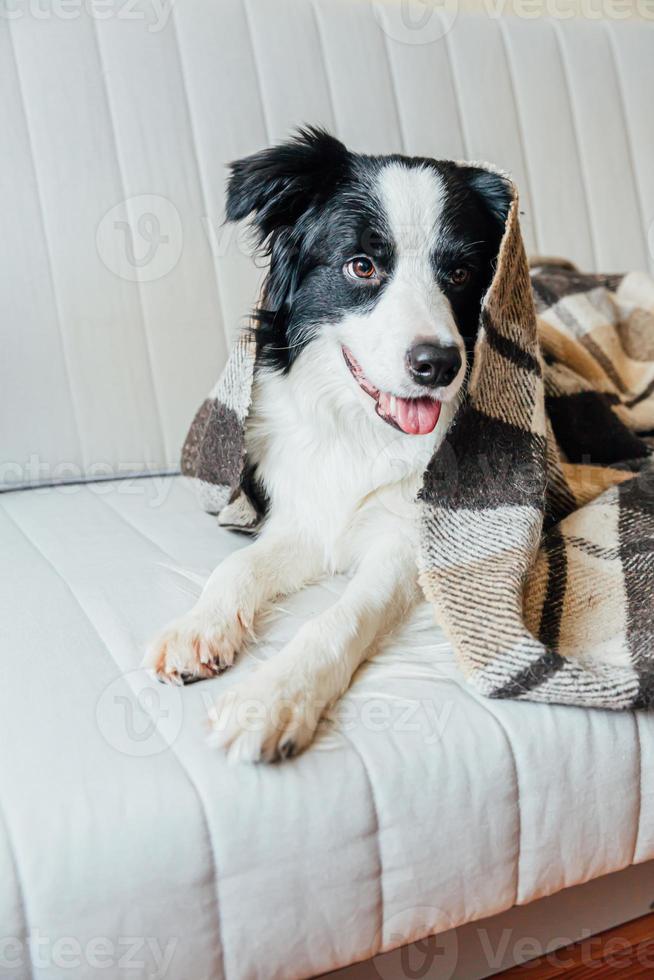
x: 537, y: 511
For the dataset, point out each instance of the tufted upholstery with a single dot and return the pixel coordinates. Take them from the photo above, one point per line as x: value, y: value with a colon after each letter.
x: 100, y: 374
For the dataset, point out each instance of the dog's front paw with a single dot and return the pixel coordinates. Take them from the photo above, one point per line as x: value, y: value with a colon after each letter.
x: 273, y: 715
x: 197, y: 645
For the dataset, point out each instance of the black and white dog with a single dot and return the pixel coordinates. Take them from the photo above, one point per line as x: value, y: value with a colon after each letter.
x: 370, y: 311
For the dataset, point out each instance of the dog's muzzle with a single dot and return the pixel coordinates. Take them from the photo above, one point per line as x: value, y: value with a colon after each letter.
x: 415, y: 416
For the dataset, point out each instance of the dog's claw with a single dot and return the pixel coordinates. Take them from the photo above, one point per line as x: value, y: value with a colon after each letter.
x: 173, y: 680
x: 287, y: 749
x: 196, y: 647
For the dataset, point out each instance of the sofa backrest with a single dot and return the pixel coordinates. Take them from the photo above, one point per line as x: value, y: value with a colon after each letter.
x: 119, y: 286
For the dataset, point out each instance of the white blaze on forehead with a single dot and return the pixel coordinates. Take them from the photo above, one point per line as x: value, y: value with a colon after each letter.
x: 412, y: 199
x: 411, y: 308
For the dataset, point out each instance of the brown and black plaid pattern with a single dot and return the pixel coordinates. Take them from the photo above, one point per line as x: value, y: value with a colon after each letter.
x: 213, y: 456
x: 539, y: 555
x: 538, y: 510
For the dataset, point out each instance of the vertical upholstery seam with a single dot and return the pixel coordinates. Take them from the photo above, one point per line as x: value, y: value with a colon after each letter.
x: 20, y: 891
x: 48, y: 249
x: 123, y: 187
x: 520, y: 129
x: 323, y: 58
x: 198, y: 169
x: 455, y: 91
x: 257, y: 73
x: 396, y: 101
x: 580, y: 157
x: 640, y: 789
x: 514, y: 763
x: 619, y: 82
x: 380, y: 864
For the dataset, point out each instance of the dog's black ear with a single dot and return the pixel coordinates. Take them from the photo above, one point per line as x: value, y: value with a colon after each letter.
x: 279, y: 184
x: 494, y: 189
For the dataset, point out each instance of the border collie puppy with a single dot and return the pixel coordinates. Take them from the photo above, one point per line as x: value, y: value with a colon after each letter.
x: 370, y: 310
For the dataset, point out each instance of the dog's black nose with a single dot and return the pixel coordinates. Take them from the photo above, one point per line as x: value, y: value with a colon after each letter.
x: 433, y: 366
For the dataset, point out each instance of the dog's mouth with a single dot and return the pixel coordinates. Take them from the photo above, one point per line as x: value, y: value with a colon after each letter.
x: 415, y: 416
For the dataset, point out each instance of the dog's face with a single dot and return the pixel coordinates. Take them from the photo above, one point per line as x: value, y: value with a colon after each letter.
x: 384, y: 258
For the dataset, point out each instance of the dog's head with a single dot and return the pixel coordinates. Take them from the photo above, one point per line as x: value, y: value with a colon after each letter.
x: 386, y: 259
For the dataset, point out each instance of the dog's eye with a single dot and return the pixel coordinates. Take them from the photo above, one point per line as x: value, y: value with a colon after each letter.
x: 360, y: 267
x: 459, y: 277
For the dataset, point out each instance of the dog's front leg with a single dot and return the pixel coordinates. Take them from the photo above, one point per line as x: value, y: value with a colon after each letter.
x: 206, y: 639
x: 274, y: 713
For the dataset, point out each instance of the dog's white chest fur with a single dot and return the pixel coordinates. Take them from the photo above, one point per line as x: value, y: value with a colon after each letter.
x: 332, y: 469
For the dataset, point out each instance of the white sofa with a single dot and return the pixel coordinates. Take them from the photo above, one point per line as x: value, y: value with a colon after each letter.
x: 127, y: 846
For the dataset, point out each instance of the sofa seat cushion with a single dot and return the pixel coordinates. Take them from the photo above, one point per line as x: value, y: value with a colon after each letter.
x: 419, y: 807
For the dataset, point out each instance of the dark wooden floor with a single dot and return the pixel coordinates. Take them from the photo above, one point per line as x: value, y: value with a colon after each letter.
x: 627, y: 951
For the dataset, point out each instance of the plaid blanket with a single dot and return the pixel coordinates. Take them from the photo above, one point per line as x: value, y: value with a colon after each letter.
x: 537, y: 511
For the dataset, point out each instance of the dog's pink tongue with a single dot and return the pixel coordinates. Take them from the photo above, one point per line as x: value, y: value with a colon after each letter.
x: 415, y: 416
